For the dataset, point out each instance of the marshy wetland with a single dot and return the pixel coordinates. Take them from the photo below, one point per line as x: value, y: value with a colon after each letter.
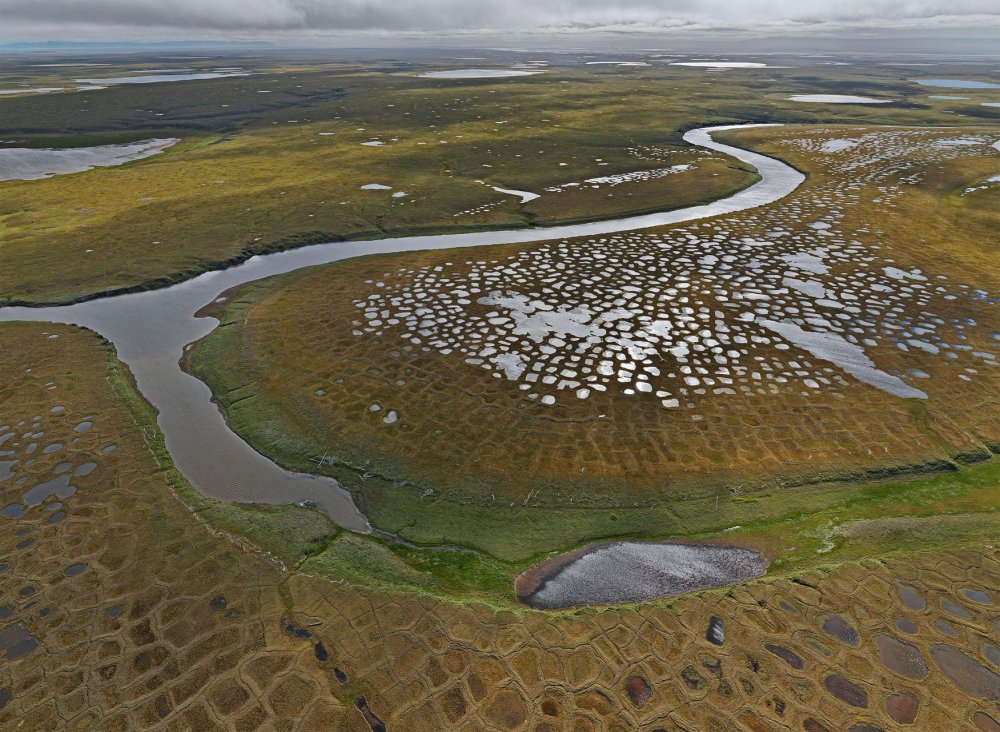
x: 715, y: 450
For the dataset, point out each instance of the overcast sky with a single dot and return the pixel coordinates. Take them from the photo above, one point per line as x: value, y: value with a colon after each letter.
x: 288, y: 19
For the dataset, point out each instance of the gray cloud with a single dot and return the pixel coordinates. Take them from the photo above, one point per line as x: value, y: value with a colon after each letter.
x: 451, y: 16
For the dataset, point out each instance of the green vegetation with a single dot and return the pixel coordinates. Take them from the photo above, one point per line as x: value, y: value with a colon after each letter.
x: 797, y: 532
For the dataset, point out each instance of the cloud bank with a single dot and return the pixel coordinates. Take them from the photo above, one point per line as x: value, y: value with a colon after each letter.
x: 258, y: 17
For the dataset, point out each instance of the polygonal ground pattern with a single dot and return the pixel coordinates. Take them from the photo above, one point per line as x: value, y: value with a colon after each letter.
x: 884, y: 644
x: 121, y: 610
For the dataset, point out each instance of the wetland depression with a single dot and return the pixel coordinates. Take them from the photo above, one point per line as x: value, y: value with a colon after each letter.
x: 151, y: 330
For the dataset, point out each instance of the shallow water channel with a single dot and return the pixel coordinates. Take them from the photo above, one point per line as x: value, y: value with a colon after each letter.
x: 150, y: 330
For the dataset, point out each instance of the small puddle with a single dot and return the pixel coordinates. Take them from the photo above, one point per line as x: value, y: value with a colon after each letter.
x: 906, y: 626
x: 5, y: 469
x: 58, y: 486
x: 976, y: 596
x: 847, y: 691
x: 903, y: 707
x: 373, y: 721
x: 901, y: 658
x: 525, y: 196
x: 992, y: 654
x: 17, y: 641
x: 840, y: 629
x: 787, y: 655
x: 85, y: 469
x: 911, y: 598
x: 638, y: 690
x: 319, y: 651
x: 952, y: 609
x: 12, y: 511
x: 294, y: 630
x: 945, y: 628
x: 716, y: 632
x: 968, y: 675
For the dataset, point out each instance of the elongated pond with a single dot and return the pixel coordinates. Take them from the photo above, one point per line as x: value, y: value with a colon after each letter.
x: 631, y: 571
x: 150, y: 330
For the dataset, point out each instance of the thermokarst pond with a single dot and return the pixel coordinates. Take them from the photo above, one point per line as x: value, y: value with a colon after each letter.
x: 621, y: 572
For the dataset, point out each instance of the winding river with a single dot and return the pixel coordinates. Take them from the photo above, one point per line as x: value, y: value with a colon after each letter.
x: 150, y: 330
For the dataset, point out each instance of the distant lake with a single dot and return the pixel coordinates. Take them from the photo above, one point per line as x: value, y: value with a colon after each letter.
x: 957, y: 83
x: 158, y: 78
x: 721, y: 64
x: 475, y: 74
x: 836, y: 99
